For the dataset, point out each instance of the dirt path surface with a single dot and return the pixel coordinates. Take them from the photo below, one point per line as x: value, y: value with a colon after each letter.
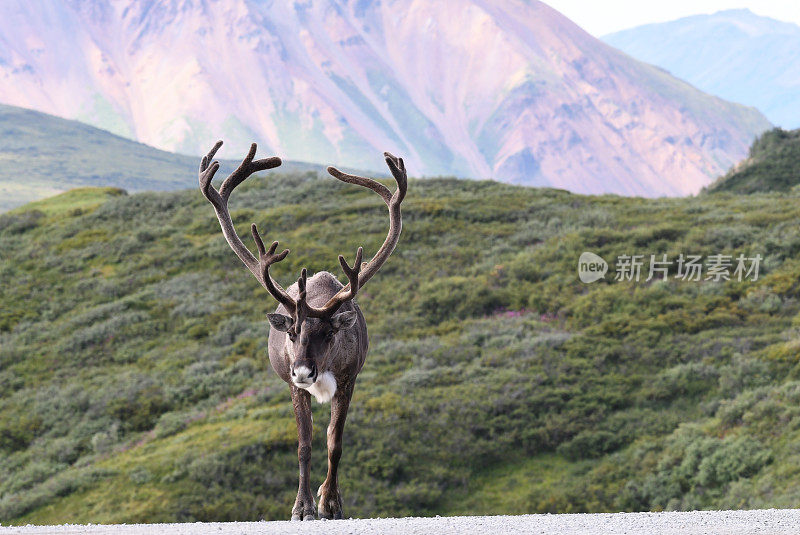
x: 769, y: 521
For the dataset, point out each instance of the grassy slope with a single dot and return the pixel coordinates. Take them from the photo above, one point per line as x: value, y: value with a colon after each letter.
x: 772, y: 165
x: 35, y: 144
x: 41, y: 155
x: 134, y: 384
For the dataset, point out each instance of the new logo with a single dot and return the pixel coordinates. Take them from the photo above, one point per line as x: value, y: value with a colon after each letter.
x: 591, y: 267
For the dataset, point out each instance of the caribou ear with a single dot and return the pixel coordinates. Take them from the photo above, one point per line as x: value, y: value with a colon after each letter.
x: 344, y: 320
x: 280, y: 322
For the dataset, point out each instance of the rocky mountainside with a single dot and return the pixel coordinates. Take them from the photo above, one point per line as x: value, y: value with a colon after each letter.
x: 509, y: 90
x: 734, y: 54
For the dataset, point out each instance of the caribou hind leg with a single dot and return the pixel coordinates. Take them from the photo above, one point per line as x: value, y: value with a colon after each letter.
x: 304, y: 507
x: 330, y: 501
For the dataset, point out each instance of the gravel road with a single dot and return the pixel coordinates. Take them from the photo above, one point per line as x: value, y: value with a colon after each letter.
x: 768, y: 521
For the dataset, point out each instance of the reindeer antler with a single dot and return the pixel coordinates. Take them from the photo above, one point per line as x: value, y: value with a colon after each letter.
x: 219, y: 199
x: 357, y: 275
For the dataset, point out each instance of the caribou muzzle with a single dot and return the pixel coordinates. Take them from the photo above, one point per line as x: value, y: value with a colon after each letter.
x: 304, y: 373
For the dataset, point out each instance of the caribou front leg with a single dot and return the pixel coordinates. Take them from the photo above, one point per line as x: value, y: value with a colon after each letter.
x: 330, y: 501
x: 304, y: 507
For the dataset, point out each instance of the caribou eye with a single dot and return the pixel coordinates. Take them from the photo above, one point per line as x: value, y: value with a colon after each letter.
x: 329, y: 336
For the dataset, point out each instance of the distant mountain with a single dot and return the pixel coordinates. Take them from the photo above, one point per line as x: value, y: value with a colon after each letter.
x: 510, y: 90
x: 772, y: 165
x: 42, y: 155
x: 734, y: 54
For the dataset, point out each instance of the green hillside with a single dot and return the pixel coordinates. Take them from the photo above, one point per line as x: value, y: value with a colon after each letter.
x: 773, y: 164
x: 41, y: 155
x: 134, y: 384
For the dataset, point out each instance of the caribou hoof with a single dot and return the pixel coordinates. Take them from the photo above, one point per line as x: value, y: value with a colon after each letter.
x: 304, y: 509
x: 330, y: 503
x: 326, y: 515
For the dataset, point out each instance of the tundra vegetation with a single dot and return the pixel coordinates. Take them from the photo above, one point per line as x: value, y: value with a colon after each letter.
x: 773, y: 164
x: 135, y: 386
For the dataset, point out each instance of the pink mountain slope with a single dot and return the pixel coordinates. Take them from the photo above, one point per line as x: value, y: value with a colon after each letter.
x: 501, y: 89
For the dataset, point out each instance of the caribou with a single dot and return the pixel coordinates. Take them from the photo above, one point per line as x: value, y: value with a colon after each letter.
x: 318, y: 336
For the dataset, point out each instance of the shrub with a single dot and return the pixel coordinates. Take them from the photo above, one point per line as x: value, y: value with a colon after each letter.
x: 590, y: 444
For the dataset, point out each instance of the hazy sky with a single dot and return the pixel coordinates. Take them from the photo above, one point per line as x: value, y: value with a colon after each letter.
x: 599, y: 17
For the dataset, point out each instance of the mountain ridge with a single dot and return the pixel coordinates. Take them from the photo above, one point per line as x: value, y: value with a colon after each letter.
x: 511, y: 91
x: 43, y: 155
x: 735, y: 54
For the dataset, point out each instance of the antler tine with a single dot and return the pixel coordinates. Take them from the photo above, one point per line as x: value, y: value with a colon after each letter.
x: 374, y: 185
x: 396, y: 166
x: 398, y: 169
x: 265, y: 260
x: 302, y: 310
x: 352, y: 272
x: 245, y: 169
x: 347, y: 293
x: 206, y: 173
x: 301, y: 285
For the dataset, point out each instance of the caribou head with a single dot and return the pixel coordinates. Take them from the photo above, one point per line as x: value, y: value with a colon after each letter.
x: 318, y: 337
